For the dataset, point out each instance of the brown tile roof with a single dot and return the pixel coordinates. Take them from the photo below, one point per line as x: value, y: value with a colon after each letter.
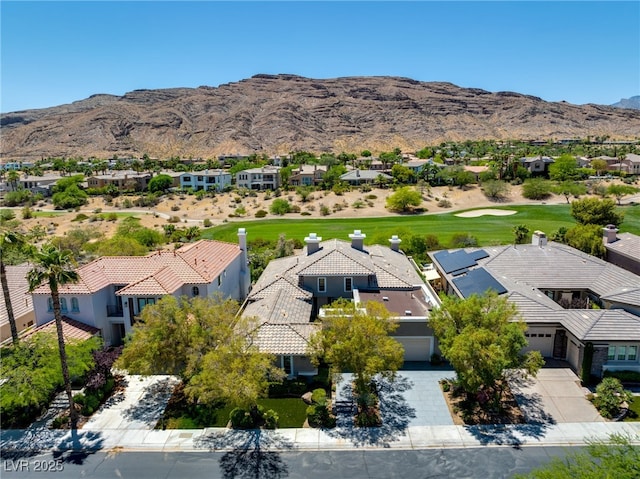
x: 195, y: 263
x: 71, y: 330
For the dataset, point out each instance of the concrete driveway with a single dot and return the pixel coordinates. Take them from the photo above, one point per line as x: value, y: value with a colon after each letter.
x: 554, y: 396
x: 139, y: 406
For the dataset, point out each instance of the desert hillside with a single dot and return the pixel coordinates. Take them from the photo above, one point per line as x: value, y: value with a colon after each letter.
x: 276, y: 114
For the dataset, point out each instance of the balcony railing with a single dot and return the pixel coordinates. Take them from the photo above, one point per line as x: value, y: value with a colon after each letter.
x: 114, y: 311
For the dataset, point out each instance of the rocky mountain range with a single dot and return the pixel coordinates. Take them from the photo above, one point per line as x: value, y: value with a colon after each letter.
x: 633, y: 102
x: 276, y: 114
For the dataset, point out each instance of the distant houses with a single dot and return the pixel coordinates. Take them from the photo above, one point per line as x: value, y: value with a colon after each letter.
x: 207, y: 180
x: 262, y: 178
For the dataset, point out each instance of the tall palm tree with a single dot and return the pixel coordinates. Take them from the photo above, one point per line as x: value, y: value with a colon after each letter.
x: 54, y: 267
x: 8, y: 239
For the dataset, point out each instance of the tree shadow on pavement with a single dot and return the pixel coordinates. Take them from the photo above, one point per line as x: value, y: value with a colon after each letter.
x: 72, y: 446
x: 253, y: 453
x: 395, y: 413
x: 152, y: 404
x: 530, y: 403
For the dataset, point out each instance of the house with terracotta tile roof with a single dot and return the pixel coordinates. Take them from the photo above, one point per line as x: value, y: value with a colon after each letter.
x: 568, y: 299
x: 288, y: 297
x: 20, y: 301
x: 113, y: 290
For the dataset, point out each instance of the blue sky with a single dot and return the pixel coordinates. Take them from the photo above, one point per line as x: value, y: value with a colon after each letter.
x: 58, y: 52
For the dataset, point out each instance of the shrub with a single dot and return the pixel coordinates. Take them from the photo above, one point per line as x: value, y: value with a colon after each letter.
x: 280, y: 207
x: 173, y: 219
x: 7, y: 215
x: 16, y: 198
x: 319, y: 416
x: 624, y: 376
x: 270, y: 419
x: 80, y: 217
x: 444, y: 203
x: 463, y: 240
x: 319, y: 396
x: 175, y: 208
x: 609, y: 396
x: 536, y: 189
x: 27, y: 213
x: 261, y: 214
x: 207, y: 223
x: 324, y: 210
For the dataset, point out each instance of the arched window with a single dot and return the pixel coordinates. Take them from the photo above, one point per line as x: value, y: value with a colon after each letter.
x: 75, y: 306
x: 50, y: 303
x: 195, y: 291
x: 63, y: 305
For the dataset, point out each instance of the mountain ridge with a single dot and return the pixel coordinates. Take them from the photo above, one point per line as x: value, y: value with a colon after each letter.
x: 276, y: 114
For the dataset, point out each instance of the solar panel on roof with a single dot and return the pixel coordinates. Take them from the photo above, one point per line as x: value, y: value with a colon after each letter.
x: 478, y: 281
x: 459, y: 272
x: 480, y: 254
x: 454, y: 261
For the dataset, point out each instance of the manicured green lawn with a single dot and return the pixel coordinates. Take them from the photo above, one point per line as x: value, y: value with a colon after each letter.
x: 489, y: 230
x: 634, y: 410
x: 291, y: 413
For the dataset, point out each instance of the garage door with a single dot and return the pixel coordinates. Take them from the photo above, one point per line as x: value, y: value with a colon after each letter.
x: 416, y: 349
x: 542, y: 342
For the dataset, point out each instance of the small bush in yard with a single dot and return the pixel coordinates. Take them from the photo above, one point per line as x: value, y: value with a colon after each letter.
x: 609, y: 396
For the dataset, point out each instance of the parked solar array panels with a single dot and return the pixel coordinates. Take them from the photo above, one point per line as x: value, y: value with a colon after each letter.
x: 477, y: 281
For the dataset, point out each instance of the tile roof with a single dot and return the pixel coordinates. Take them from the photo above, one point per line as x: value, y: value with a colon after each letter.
x: 285, y: 338
x: 71, y: 330
x: 627, y: 244
x: 525, y: 270
x: 18, y: 292
x: 195, y: 263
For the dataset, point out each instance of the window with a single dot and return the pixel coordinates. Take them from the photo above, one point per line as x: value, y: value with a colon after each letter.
x: 186, y: 179
x: 220, y: 280
x: 63, y: 305
x: 322, y: 285
x: 50, y: 304
x: 622, y: 353
x: 75, y: 306
x: 611, y: 355
x: 195, y: 291
x: 348, y: 284
x: 142, y: 302
x: 632, y: 355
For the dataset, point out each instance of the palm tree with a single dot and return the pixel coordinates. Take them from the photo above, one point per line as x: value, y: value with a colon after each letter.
x: 12, y: 179
x: 520, y: 233
x: 54, y: 267
x: 8, y: 239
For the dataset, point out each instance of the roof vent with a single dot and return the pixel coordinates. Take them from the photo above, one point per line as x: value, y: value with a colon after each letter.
x: 407, y: 312
x: 385, y: 298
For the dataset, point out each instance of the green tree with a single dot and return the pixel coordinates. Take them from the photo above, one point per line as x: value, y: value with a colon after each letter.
x: 596, y: 211
x: 12, y: 179
x: 54, y: 268
x: 482, y: 337
x: 587, y: 238
x: 619, y: 459
x: 569, y: 189
x: 67, y: 194
x: 610, y: 394
x: 536, y: 189
x: 495, y: 189
x: 8, y: 240
x: 620, y: 191
x: 520, y: 234
x: 160, y: 183
x: 564, y: 168
x: 464, y: 178
x: 280, y: 207
x: 402, y: 174
x: 403, y: 199
x: 357, y: 340
x: 599, y: 165
x: 201, y: 341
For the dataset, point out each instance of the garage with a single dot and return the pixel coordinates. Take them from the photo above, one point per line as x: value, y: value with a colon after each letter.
x: 416, y: 348
x: 573, y: 354
x: 540, y: 339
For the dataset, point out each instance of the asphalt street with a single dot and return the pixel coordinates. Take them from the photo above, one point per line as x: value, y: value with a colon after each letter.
x: 486, y: 463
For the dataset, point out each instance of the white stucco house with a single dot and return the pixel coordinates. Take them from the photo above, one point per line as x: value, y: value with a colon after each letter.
x: 206, y: 180
x: 113, y: 290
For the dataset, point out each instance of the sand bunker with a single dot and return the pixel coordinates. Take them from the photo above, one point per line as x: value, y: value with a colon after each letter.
x: 488, y: 212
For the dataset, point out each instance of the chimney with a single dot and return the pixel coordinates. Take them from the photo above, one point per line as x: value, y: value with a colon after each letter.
x: 610, y: 234
x: 395, y: 243
x: 539, y: 239
x: 357, y: 240
x: 313, y: 243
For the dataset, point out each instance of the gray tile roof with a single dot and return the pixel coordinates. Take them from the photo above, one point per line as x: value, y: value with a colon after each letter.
x: 526, y: 269
x: 285, y: 338
x: 627, y: 244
